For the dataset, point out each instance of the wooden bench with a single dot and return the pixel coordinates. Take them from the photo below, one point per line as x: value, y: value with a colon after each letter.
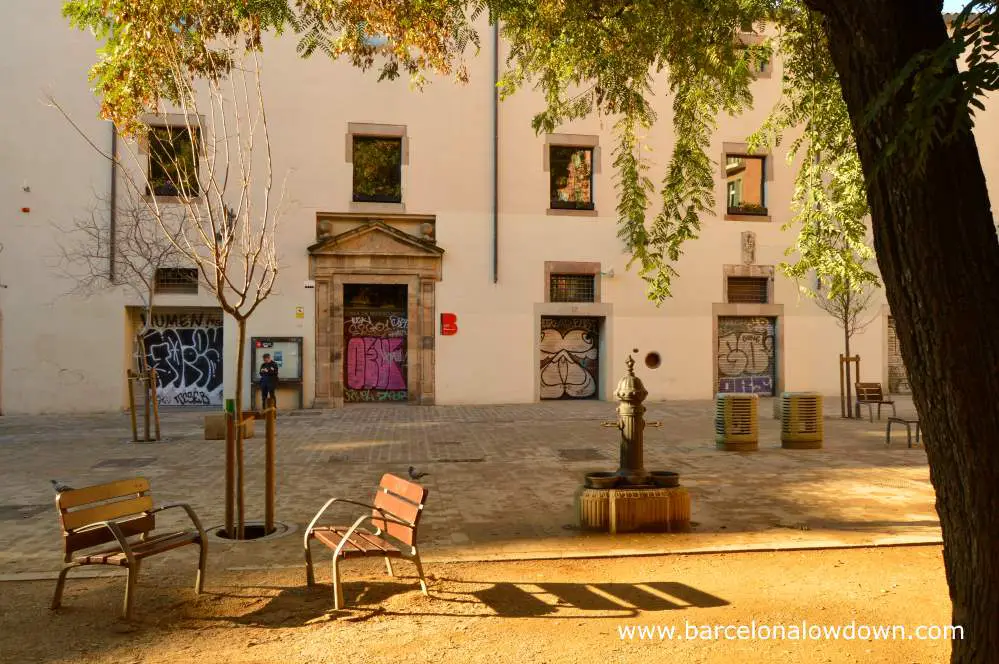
x: 394, y: 516
x: 123, y: 513
x: 871, y: 394
x: 907, y: 422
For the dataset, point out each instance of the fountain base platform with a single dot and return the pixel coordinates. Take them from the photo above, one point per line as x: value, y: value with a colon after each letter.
x: 647, y: 509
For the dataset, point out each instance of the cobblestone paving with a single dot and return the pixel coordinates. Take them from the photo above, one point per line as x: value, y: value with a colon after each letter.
x: 502, y: 478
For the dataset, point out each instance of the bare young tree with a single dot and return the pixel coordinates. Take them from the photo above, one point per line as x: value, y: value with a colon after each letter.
x: 209, y: 160
x: 96, y: 253
x: 848, y: 306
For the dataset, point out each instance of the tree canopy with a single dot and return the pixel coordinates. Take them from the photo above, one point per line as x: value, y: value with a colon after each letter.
x: 607, y: 57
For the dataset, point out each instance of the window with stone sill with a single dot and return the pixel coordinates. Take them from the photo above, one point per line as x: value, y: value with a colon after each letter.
x: 571, y: 184
x: 745, y: 185
x: 173, y: 162
x: 377, y: 162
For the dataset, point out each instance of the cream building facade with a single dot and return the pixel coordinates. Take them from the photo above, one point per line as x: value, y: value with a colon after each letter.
x: 476, y: 287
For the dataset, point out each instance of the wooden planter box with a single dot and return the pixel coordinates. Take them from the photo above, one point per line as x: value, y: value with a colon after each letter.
x: 215, y: 426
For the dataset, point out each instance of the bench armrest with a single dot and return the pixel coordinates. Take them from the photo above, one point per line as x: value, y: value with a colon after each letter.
x: 190, y: 513
x: 387, y: 516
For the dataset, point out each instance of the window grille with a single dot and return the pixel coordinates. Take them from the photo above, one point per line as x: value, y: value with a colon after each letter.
x: 752, y: 290
x: 179, y: 280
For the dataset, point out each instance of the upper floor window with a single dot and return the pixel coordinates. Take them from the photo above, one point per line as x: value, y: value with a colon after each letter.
x: 571, y: 177
x: 377, y: 169
x: 173, y: 161
x: 745, y: 184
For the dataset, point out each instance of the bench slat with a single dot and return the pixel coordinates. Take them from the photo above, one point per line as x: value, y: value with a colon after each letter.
x: 99, y: 492
x: 356, y: 547
x: 151, y: 547
x: 88, y: 515
x: 91, y: 538
x: 397, y: 506
x: 411, y: 491
x: 871, y: 393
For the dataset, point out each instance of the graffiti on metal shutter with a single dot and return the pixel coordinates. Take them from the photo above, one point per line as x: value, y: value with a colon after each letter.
x: 375, y: 356
x: 569, y: 358
x: 898, y: 379
x: 186, y: 352
x: 746, y: 359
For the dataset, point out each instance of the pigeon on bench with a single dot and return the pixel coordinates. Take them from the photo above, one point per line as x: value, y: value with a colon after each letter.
x: 413, y: 475
x: 60, y: 487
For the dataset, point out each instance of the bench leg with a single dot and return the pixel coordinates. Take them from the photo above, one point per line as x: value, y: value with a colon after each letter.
x: 388, y: 565
x: 888, y: 434
x: 879, y: 412
x: 908, y: 436
x: 870, y: 412
x: 893, y: 413
x: 126, y: 610
x: 419, y: 571
x: 337, y: 587
x: 310, y: 576
x: 60, y: 584
x: 199, y: 582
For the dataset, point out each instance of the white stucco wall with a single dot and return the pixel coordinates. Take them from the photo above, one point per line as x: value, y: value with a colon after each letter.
x: 65, y: 353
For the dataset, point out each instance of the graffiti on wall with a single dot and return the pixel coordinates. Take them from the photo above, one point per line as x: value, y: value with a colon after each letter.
x: 186, y: 351
x: 569, y: 358
x: 746, y: 355
x: 375, y: 356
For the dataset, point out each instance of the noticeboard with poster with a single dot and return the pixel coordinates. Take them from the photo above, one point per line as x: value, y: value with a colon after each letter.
x: 286, y: 352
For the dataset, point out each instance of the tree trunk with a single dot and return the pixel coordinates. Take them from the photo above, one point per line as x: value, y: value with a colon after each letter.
x: 938, y: 253
x: 240, y: 503
x: 849, y: 383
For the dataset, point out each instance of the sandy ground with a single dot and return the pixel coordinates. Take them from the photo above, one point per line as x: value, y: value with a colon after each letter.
x: 550, y: 611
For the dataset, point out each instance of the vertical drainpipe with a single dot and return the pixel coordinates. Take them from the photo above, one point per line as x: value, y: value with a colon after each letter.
x: 496, y: 35
x: 113, y: 215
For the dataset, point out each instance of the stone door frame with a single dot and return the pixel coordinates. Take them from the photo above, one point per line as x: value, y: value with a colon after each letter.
x: 375, y: 254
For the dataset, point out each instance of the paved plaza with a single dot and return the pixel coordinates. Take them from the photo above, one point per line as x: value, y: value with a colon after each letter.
x: 502, y: 479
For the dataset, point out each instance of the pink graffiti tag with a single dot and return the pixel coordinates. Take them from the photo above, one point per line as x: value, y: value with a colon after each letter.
x: 373, y: 363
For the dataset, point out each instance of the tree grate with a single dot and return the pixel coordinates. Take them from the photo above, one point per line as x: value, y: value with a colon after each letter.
x: 130, y: 462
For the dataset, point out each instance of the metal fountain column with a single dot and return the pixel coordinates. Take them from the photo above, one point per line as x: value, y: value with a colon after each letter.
x: 631, y: 393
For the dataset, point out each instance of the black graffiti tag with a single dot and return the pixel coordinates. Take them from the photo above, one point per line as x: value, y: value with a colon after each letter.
x: 184, y: 320
x: 190, y: 398
x: 187, y: 361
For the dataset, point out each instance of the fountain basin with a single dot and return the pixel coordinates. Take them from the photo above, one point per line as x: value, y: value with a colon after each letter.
x: 665, y: 478
x: 602, y: 480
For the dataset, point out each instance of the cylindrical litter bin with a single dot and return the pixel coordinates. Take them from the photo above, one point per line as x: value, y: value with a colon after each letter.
x: 801, y: 421
x: 736, y: 422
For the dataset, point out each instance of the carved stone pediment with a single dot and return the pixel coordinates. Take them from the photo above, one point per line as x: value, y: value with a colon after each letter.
x: 375, y: 238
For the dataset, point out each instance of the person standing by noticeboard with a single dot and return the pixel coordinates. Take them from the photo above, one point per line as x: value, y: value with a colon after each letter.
x: 268, y: 379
